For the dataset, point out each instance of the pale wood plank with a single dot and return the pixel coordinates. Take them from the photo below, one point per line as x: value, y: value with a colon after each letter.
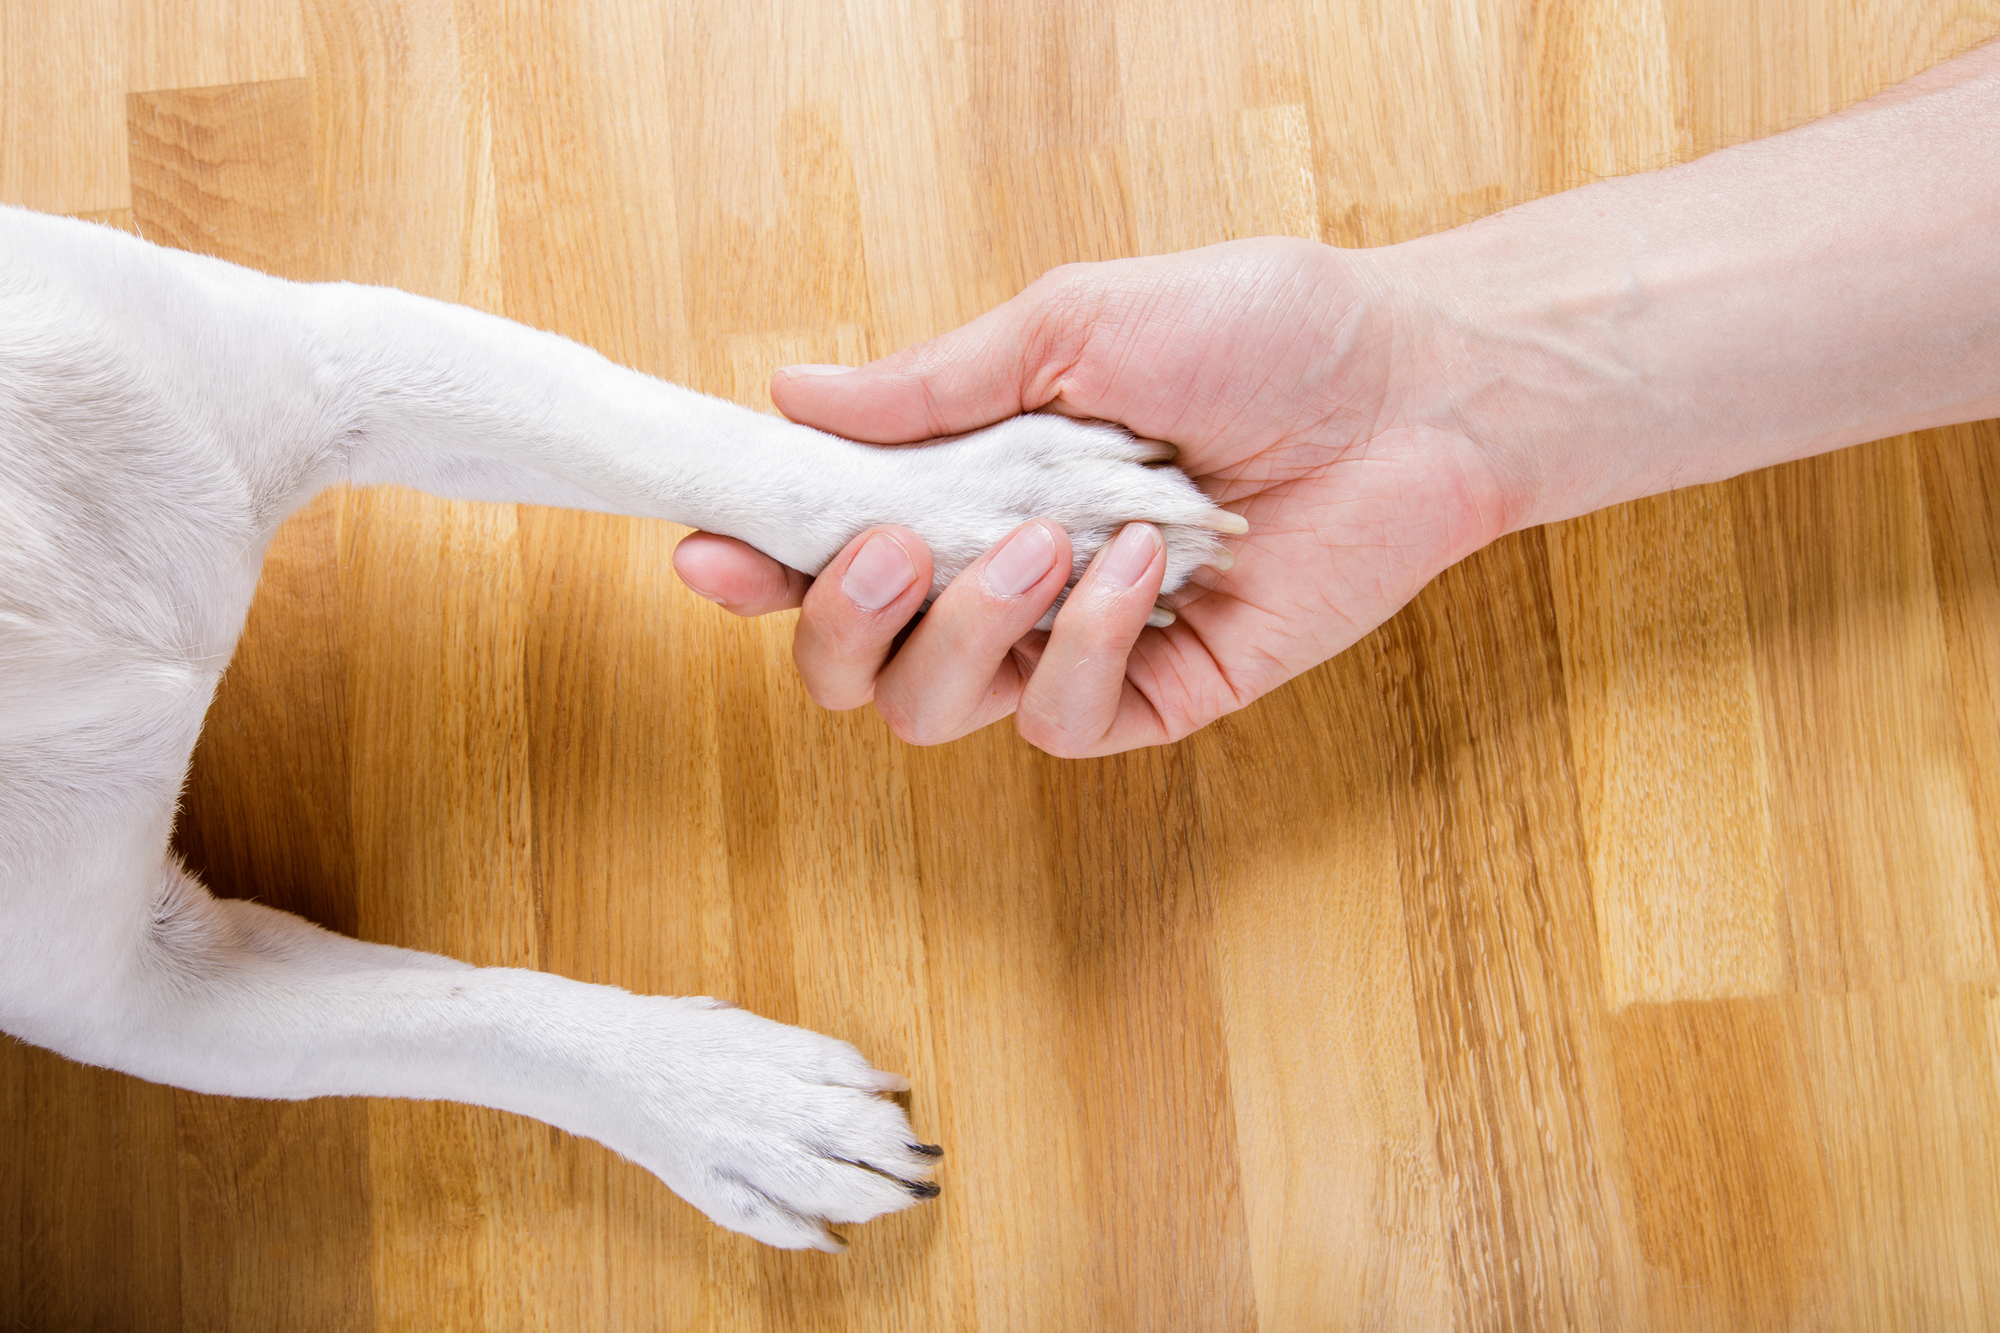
x: 765, y: 181
x: 1136, y: 911
x: 1667, y: 736
x: 751, y: 357
x: 444, y: 862
x: 849, y: 922
x: 62, y: 106
x: 1343, y: 1191
x: 1043, y: 136
x: 927, y: 249
x: 173, y: 44
x: 1196, y: 180
x: 403, y: 134
x: 1018, y: 1149
x: 1850, y: 654
x: 1909, y: 1130
x: 1418, y: 114
x: 589, y: 232
x: 120, y: 218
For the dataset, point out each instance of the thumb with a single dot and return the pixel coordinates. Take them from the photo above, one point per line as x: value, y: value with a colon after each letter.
x: 993, y: 368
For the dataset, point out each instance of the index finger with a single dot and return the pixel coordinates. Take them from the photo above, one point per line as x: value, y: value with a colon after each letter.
x: 737, y: 577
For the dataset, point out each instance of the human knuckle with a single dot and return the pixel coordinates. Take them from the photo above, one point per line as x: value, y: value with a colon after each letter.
x: 1048, y: 735
x: 906, y: 721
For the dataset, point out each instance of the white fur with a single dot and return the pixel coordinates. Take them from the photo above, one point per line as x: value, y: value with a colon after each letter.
x: 160, y: 413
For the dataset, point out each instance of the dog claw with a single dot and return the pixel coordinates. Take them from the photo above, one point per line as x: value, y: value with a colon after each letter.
x: 928, y: 1149
x: 1222, y: 520
x: 1160, y: 617
x: 1157, y: 451
x: 1222, y: 561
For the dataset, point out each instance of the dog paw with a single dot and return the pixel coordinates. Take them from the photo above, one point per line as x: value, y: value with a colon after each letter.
x: 775, y: 1131
x: 964, y: 494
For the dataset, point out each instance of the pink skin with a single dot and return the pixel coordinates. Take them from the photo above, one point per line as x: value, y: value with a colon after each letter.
x: 1378, y: 415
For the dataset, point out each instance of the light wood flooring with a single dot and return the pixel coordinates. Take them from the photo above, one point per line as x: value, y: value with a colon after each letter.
x: 1612, y: 941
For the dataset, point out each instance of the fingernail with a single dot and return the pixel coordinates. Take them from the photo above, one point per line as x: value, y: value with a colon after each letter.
x: 1127, y: 559
x: 1020, y: 564
x: 813, y: 370
x: 880, y: 572
x: 700, y: 591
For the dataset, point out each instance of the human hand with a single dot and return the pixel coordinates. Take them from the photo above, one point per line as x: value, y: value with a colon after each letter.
x: 1377, y: 415
x: 1278, y: 369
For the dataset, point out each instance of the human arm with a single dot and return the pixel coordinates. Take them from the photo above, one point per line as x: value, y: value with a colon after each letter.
x: 1379, y: 414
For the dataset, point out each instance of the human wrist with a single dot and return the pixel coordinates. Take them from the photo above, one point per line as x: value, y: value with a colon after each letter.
x: 1522, y: 334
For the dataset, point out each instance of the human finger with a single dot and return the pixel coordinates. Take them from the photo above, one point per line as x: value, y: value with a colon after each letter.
x: 1079, y: 702
x: 957, y: 671
x: 736, y: 576
x: 854, y: 611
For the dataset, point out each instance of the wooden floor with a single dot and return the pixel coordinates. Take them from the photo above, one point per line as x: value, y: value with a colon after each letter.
x: 1612, y: 941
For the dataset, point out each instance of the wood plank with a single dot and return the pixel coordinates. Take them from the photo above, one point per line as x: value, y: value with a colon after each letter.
x: 1197, y: 180
x: 765, y: 181
x: 927, y: 248
x: 1961, y: 481
x: 1849, y: 645
x: 1041, y: 137
x: 17, y: 1168
x: 1018, y: 1150
x: 227, y: 172
x: 403, y: 140
x: 1733, y: 1208
x: 1135, y: 911
x: 627, y: 811
x: 1417, y: 112
x: 1909, y: 1110
x: 1517, y: 1057
x: 1343, y: 1190
x: 1668, y: 741
x: 177, y: 45
x: 62, y: 106
x: 274, y: 1216
x: 100, y: 1228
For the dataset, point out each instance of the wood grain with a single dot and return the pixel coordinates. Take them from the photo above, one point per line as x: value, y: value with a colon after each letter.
x: 1611, y: 941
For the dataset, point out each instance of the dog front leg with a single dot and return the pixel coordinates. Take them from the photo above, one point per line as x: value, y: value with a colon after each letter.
x: 769, y: 1130
x: 469, y: 406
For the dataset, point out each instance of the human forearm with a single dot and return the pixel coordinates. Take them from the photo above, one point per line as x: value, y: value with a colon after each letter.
x: 1817, y: 289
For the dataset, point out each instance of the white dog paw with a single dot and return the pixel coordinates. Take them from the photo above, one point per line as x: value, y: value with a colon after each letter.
x: 964, y: 494
x: 776, y: 1131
